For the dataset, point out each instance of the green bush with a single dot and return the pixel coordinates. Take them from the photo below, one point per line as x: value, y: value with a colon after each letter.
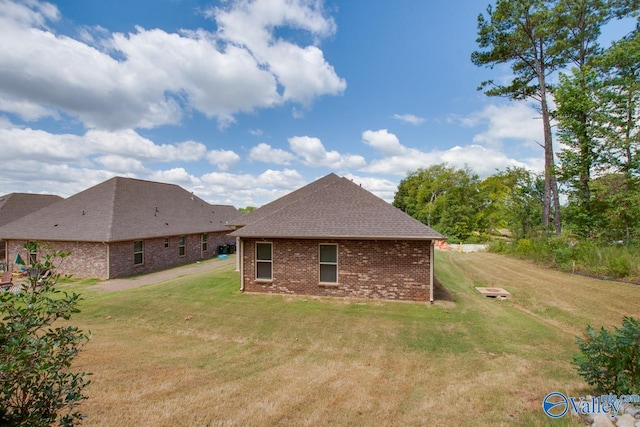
x: 498, y: 246
x: 36, y: 350
x: 610, y: 361
x: 619, y: 266
x: 582, y: 256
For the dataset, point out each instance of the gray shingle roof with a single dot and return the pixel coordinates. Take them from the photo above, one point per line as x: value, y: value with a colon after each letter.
x: 332, y: 207
x: 122, y: 209
x: 17, y: 205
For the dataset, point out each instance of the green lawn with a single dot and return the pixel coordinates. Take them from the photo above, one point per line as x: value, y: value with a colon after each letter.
x: 196, y: 351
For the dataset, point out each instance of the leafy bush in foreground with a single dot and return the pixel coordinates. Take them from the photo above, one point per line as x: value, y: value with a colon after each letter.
x: 610, y: 361
x: 37, y: 388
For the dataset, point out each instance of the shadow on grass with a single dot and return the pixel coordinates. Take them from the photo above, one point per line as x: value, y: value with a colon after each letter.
x: 440, y: 293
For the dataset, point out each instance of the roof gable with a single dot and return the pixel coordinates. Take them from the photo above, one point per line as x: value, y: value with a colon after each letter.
x: 123, y: 209
x: 332, y: 207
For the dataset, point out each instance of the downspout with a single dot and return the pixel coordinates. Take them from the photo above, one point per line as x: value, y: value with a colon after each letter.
x: 431, y: 257
x: 240, y: 254
x: 237, y: 251
x: 108, y: 259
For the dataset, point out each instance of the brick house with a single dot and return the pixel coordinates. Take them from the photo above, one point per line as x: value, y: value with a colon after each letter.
x: 123, y: 227
x: 17, y: 205
x: 334, y: 238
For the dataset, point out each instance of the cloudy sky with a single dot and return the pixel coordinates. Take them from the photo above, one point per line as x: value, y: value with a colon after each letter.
x: 242, y: 101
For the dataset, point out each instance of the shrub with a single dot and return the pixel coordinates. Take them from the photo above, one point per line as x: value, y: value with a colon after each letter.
x: 498, y: 246
x: 37, y: 387
x: 610, y: 361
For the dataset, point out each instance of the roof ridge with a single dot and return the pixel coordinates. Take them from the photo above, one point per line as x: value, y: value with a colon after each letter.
x: 112, y: 213
x: 294, y: 201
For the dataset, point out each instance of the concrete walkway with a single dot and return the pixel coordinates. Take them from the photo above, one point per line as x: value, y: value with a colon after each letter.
x: 114, y: 285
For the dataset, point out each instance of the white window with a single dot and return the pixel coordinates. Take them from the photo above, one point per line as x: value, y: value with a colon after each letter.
x: 264, y: 261
x: 138, y: 252
x: 328, y: 263
x: 181, y: 246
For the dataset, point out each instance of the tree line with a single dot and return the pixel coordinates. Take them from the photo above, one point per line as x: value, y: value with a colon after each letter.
x: 553, y: 50
x: 458, y: 204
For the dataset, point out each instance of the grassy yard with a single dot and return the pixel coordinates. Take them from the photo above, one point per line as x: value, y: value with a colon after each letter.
x: 194, y: 351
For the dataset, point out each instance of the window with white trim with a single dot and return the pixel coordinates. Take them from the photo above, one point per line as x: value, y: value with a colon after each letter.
x: 138, y: 252
x: 204, y: 241
x: 328, y: 263
x: 264, y: 261
x: 182, y: 250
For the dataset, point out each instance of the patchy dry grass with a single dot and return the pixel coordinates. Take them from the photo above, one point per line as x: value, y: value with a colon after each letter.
x: 263, y: 360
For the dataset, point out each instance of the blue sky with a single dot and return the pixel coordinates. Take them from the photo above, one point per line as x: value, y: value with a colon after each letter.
x: 243, y: 101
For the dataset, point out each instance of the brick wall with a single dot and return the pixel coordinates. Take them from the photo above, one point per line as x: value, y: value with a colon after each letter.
x: 158, y: 257
x: 387, y: 269
x: 89, y: 259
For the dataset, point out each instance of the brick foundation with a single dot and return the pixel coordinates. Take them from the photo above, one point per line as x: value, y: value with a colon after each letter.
x: 385, y: 269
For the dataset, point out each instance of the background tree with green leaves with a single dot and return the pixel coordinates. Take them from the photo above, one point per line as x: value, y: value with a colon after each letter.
x: 524, y: 34
x: 37, y: 348
x: 515, y: 201
x: 444, y: 198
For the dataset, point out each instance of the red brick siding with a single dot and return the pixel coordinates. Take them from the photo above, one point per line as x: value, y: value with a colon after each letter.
x: 157, y: 257
x: 89, y: 259
x: 386, y: 269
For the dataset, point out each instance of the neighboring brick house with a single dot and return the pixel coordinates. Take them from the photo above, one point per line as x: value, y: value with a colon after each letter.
x: 334, y: 238
x: 17, y: 205
x: 123, y: 227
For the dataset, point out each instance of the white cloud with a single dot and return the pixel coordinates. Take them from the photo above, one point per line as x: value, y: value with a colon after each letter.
x: 409, y: 118
x: 158, y: 75
x: 387, y: 143
x: 248, y: 189
x: 265, y: 153
x: 177, y: 176
x: 302, y: 71
x: 383, y: 188
x: 102, y: 146
x: 130, y: 144
x: 25, y: 109
x: 312, y: 153
x: 50, y: 177
x: 41, y: 145
x: 224, y: 159
x: 287, y: 179
x: 121, y: 165
x: 398, y: 159
x: 516, y: 120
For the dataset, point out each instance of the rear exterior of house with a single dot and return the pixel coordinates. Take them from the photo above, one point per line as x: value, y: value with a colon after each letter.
x: 124, y: 227
x: 333, y: 238
x: 381, y: 269
x: 110, y: 260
